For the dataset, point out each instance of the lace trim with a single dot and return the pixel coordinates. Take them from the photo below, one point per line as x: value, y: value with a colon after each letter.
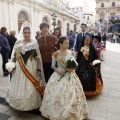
x: 24, y: 48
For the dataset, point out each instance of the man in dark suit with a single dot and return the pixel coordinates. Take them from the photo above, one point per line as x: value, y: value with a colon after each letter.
x: 12, y: 39
x: 81, y: 37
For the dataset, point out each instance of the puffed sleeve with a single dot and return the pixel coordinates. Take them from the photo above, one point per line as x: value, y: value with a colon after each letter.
x: 53, y: 61
x: 37, y: 50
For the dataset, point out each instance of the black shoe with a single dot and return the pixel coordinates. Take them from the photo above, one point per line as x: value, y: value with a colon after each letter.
x: 6, y: 74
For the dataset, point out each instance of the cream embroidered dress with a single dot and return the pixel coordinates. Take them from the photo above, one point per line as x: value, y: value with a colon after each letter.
x: 64, y: 99
x: 22, y: 94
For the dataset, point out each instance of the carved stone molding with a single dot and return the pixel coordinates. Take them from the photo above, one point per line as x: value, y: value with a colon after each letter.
x: 8, y: 1
x: 36, y: 10
x: 64, y: 18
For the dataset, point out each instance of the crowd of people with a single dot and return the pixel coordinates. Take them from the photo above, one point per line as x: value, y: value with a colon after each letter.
x: 114, y: 37
x: 41, y: 79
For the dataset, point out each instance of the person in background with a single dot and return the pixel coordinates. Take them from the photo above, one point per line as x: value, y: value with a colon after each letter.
x: 98, y: 45
x: 71, y: 37
x: 4, y: 49
x: 12, y: 39
x: 104, y: 38
x: 57, y: 33
x: 75, y: 38
x: 81, y: 37
x: 92, y: 32
x: 96, y: 33
x: 38, y: 34
x: 115, y: 38
x: 119, y: 38
x: 47, y: 45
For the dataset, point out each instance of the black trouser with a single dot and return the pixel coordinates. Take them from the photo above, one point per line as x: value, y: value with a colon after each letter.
x: 4, y: 60
x: 47, y: 71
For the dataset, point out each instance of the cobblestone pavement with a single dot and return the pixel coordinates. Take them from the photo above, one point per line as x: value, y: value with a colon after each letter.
x: 105, y: 106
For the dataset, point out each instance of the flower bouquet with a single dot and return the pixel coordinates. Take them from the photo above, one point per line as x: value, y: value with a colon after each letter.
x: 71, y: 64
x: 96, y: 65
x: 10, y: 66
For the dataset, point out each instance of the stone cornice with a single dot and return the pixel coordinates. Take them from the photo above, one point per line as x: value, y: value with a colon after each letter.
x: 8, y: 1
x: 38, y: 7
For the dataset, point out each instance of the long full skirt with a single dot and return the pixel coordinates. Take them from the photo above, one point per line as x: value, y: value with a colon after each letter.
x: 64, y: 99
x: 22, y: 94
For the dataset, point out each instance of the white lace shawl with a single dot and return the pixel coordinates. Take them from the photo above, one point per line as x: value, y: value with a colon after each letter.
x: 26, y: 47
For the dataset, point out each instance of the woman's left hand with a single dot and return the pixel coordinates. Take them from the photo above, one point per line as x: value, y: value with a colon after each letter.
x: 70, y: 70
x: 38, y: 73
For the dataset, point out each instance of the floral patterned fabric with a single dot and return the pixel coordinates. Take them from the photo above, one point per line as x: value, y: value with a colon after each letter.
x: 64, y: 99
x: 22, y: 94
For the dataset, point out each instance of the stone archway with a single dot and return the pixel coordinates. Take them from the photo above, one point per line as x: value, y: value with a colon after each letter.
x: 22, y: 17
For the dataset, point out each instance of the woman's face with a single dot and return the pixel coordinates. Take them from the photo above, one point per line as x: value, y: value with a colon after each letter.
x: 87, y: 41
x: 95, y: 40
x: 57, y: 33
x: 65, y: 44
x: 26, y: 34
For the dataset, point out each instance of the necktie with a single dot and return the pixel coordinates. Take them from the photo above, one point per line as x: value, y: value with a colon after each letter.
x: 83, y: 35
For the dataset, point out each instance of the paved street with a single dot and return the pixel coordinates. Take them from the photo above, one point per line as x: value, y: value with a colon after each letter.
x: 105, y: 106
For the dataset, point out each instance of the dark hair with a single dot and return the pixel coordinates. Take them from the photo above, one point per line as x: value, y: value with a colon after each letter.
x: 61, y: 40
x: 26, y: 28
x: 43, y: 25
x: 84, y: 24
x: 71, y: 30
x: 2, y: 30
x: 55, y: 30
x: 87, y: 36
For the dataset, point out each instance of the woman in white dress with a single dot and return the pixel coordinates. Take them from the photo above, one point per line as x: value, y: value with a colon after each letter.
x: 23, y: 95
x: 64, y: 98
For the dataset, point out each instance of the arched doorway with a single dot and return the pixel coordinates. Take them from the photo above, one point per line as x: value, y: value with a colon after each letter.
x: 22, y: 17
x: 68, y: 28
x: 45, y: 20
x: 59, y: 24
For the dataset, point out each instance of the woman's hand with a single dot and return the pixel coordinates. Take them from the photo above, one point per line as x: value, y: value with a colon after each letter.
x: 70, y: 70
x: 60, y: 72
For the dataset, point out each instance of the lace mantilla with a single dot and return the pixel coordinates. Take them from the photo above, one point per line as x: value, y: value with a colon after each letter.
x: 23, y: 47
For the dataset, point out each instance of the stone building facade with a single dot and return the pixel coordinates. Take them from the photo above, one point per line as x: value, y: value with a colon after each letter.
x: 14, y: 12
x: 105, y: 10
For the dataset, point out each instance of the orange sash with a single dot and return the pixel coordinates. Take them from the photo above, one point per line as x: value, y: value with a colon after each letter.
x: 31, y: 78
